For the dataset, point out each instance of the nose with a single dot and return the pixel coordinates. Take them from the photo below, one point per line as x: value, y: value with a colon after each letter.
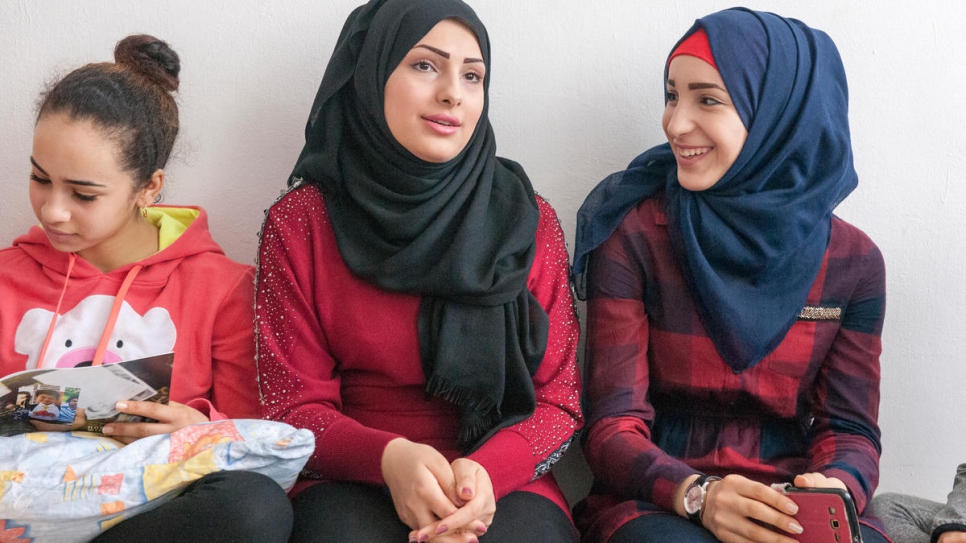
x: 54, y: 210
x: 451, y: 90
x: 679, y: 120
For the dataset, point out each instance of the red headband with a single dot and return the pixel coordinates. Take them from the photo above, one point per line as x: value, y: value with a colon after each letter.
x: 696, y: 45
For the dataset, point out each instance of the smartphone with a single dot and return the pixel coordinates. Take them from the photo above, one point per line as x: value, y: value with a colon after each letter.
x: 827, y: 515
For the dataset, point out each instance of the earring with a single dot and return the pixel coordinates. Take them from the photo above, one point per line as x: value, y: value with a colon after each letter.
x: 144, y: 213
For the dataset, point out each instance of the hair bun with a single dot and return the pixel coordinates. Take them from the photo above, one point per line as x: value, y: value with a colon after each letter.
x: 151, y: 58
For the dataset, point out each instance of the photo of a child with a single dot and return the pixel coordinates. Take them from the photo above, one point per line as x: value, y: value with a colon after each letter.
x: 68, y: 408
x: 47, y: 404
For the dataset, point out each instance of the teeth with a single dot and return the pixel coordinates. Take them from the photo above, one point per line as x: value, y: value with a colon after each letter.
x: 444, y: 123
x: 688, y: 153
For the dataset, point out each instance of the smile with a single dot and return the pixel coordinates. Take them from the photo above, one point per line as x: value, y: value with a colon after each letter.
x: 691, y: 153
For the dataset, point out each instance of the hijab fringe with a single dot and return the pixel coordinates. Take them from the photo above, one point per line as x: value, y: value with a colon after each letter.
x: 484, y: 412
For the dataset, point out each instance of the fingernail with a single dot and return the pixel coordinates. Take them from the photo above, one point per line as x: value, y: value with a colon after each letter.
x: 482, y: 530
x: 791, y: 507
x: 107, y: 429
x: 121, y: 405
x: 467, y: 491
x: 441, y: 529
x: 795, y: 527
x: 423, y: 538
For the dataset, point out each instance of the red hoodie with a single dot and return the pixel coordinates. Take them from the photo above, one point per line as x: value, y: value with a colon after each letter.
x: 188, y: 298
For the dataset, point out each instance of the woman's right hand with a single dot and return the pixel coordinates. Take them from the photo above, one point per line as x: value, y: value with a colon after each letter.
x: 417, y: 476
x: 472, y: 493
x: 734, y: 504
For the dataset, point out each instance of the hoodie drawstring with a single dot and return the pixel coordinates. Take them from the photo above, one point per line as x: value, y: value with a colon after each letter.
x: 71, y: 258
x: 111, y: 320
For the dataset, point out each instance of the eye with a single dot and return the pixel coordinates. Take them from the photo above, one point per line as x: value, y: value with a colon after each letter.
x: 710, y: 101
x: 120, y: 343
x: 423, y: 66
x: 670, y: 96
x: 38, y: 179
x: 85, y: 197
x: 474, y: 77
x: 68, y: 343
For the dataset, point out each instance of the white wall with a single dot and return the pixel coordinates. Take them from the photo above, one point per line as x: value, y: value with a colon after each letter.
x: 576, y: 93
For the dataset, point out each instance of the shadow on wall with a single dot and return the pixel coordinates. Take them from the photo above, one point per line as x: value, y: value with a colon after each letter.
x: 572, y: 472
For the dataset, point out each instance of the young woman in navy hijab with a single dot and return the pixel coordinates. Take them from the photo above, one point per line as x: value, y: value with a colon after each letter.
x: 733, y: 332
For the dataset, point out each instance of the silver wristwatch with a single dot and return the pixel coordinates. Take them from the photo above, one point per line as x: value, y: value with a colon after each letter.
x: 694, y: 496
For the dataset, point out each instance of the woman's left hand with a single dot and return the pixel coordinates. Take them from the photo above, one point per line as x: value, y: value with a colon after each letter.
x: 171, y: 417
x: 817, y: 480
x: 473, y: 494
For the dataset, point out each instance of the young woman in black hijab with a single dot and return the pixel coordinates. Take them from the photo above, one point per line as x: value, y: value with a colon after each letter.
x: 413, y: 306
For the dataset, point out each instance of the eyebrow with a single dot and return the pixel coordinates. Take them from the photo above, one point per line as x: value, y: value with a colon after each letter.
x: 69, y: 181
x: 446, y: 55
x: 34, y: 162
x: 698, y: 86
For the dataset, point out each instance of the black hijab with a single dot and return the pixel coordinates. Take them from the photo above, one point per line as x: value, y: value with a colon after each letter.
x: 460, y: 233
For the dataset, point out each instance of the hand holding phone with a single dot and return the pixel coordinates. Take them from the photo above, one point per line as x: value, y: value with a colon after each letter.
x: 827, y: 515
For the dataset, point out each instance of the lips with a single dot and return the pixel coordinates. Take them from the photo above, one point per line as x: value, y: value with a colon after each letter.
x: 442, y: 125
x: 56, y: 235
x: 443, y: 120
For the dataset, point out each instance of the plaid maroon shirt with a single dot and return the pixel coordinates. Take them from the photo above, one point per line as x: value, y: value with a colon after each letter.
x: 663, y: 405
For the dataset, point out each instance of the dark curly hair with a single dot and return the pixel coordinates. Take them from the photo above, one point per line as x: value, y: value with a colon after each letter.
x: 129, y: 99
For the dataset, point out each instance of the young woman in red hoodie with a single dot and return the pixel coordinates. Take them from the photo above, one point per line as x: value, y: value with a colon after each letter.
x: 107, y: 276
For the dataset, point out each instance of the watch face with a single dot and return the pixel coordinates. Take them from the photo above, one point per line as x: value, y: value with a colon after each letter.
x: 692, y: 500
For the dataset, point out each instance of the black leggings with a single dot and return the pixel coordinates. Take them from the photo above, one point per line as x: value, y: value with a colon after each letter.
x: 226, y: 506
x: 356, y: 513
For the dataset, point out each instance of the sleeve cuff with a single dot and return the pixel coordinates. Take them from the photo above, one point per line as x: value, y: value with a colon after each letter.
x: 207, y: 409
x: 508, y: 460
x: 853, y: 485
x: 940, y: 530
x: 356, y: 457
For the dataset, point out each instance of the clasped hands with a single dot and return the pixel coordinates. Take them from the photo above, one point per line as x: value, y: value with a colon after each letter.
x: 736, y: 507
x: 442, y: 502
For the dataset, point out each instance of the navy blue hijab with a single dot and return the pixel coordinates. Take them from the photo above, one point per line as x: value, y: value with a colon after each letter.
x: 752, y: 244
